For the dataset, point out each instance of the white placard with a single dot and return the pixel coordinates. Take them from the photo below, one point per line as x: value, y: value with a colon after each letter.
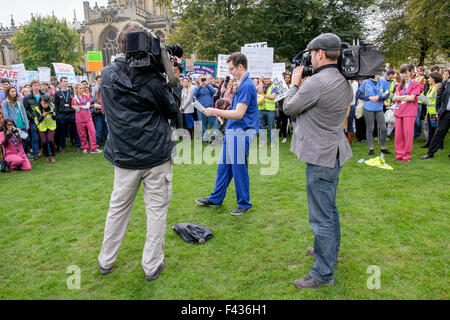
x: 66, y: 70
x: 22, y: 75
x: 44, y: 74
x: 256, y: 45
x: 281, y: 86
x: 260, y: 61
x: 278, y: 68
x: 222, y: 66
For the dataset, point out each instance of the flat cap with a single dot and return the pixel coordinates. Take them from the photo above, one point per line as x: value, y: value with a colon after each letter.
x: 325, y: 41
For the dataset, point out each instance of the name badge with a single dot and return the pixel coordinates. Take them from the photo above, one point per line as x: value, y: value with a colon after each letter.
x: 66, y: 105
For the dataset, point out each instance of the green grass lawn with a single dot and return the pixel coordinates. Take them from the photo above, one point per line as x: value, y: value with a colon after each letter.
x: 53, y: 217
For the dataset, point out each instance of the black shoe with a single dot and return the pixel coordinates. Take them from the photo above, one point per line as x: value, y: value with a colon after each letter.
x: 156, y: 274
x: 238, y: 211
x: 104, y: 271
x: 371, y: 152
x: 204, y: 202
x: 427, y: 156
x: 425, y: 146
x: 386, y: 151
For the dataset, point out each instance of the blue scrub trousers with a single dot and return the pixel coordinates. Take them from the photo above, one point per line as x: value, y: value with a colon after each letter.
x: 233, y: 164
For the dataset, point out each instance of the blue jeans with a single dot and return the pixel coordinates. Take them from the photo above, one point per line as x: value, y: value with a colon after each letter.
x: 417, y: 122
x: 321, y: 187
x: 233, y: 164
x: 267, y: 118
x: 206, y: 121
x: 351, y: 117
x: 68, y: 129
x: 101, y: 129
x: 34, y: 139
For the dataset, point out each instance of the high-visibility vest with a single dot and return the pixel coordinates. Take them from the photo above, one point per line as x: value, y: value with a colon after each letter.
x: 391, y: 91
x: 269, y: 104
x: 421, y: 79
x: 431, y: 94
x: 48, y: 122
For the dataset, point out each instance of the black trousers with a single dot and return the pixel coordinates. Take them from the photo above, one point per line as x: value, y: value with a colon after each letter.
x: 283, y: 123
x: 441, y: 131
x: 360, y: 128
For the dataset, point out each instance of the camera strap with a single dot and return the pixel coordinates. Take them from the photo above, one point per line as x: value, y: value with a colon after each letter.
x: 333, y: 65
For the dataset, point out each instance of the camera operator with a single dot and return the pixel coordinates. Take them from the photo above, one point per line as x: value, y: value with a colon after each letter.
x: 320, y: 104
x: 138, y: 103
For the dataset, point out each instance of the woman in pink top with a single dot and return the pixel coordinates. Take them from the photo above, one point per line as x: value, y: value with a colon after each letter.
x: 406, y: 97
x: 81, y: 102
x: 12, y: 143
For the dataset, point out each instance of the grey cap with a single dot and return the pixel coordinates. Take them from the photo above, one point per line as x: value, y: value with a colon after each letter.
x: 325, y: 41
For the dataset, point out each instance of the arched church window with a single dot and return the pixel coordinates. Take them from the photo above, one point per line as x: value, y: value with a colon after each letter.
x: 110, y: 47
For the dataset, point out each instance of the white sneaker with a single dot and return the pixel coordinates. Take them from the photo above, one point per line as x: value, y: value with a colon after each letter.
x: 284, y: 140
x: 97, y: 151
x: 85, y: 151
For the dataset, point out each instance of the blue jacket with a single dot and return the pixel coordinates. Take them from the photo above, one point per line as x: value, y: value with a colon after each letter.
x: 9, y: 112
x: 370, y: 89
x: 205, y: 95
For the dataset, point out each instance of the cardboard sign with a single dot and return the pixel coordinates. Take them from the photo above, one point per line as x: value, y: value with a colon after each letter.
x: 11, y: 75
x: 66, y: 70
x: 222, y: 66
x: 32, y: 75
x: 22, y: 77
x: 95, y: 60
x: 44, y: 74
x: 278, y: 69
x: 204, y: 68
x: 256, y: 45
x: 281, y: 86
x: 260, y: 61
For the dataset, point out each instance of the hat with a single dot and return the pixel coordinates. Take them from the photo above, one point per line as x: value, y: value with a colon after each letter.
x: 325, y: 41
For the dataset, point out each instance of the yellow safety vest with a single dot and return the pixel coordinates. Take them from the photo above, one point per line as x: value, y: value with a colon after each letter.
x: 431, y: 106
x: 391, y: 91
x: 421, y: 79
x: 47, y: 123
x: 269, y: 104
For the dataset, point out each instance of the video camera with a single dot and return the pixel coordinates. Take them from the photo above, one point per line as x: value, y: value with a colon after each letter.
x: 356, y: 62
x: 144, y: 49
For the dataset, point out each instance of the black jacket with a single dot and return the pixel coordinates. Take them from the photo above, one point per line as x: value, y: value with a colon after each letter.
x: 29, y: 102
x: 138, y: 103
x: 442, y: 98
x: 61, y: 100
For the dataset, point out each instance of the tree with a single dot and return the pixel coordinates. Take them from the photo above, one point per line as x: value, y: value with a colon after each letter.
x: 416, y: 31
x: 45, y: 40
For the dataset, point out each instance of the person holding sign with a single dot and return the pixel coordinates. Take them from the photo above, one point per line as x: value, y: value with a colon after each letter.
x: 240, y: 130
x: 267, y: 111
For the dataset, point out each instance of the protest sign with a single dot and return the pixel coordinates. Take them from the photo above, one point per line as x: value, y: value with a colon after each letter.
x: 11, y: 75
x: 44, y: 74
x: 260, y: 61
x: 66, y: 70
x: 204, y: 68
x: 95, y: 60
x: 32, y: 75
x: 222, y: 66
x: 281, y: 86
x: 22, y: 76
x: 256, y: 45
x: 278, y: 68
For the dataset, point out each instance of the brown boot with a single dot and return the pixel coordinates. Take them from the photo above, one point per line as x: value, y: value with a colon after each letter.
x: 78, y: 150
x: 350, y: 136
x: 63, y: 151
x: 309, y: 282
x: 53, y: 160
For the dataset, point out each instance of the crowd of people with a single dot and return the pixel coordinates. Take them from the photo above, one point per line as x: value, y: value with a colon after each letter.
x: 39, y: 118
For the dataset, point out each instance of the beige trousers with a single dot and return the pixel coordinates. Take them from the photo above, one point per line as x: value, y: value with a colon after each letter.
x: 157, y: 194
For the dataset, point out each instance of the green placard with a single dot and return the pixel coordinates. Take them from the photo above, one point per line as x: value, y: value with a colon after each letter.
x: 94, y: 56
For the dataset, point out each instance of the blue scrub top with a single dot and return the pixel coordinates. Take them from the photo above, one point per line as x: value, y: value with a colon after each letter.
x: 245, y: 93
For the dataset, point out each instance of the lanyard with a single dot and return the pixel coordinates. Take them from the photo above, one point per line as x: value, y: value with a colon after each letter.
x: 404, y: 92
x: 66, y: 98
x: 81, y: 100
x: 15, y: 142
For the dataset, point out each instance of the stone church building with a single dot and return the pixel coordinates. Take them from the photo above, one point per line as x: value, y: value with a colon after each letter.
x: 100, y: 27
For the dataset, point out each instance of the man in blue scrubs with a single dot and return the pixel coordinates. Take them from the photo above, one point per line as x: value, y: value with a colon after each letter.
x: 241, y: 127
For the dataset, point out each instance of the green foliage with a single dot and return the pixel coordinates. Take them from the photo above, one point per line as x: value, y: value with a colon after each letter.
x: 416, y: 31
x: 209, y: 28
x: 45, y: 40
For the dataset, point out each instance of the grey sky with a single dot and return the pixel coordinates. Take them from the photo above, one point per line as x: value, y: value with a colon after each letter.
x: 22, y: 9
